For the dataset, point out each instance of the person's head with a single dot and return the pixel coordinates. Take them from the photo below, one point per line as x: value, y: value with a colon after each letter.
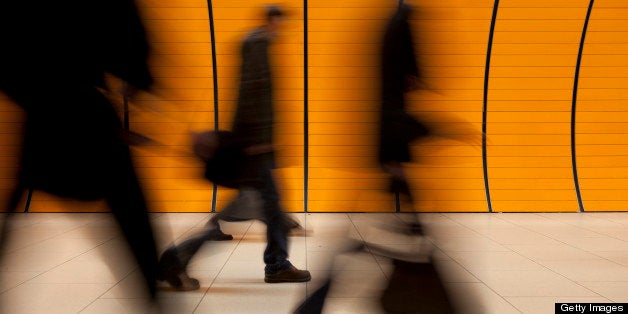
x: 274, y: 18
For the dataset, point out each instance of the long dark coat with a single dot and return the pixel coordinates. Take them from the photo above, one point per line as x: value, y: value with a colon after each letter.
x: 398, y: 63
x: 53, y: 61
x: 253, y: 121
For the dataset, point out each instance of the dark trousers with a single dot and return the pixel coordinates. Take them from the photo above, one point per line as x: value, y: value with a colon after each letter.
x: 258, y: 171
x: 126, y: 201
x: 128, y: 205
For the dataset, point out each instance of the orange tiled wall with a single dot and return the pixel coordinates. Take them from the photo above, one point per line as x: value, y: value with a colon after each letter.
x: 529, y: 100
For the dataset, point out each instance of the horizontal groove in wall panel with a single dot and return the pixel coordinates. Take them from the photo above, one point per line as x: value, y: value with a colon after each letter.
x: 530, y: 128
x: 543, y: 5
x: 447, y: 195
x: 608, y: 183
x: 530, y: 162
x: 451, y: 207
x: 535, y: 206
x: 511, y: 59
x: 535, y: 139
x: 351, y: 206
x: 606, y: 206
x: 522, y: 117
x: 531, y: 184
x: 538, y: 83
x: 542, y: 173
x: 445, y: 172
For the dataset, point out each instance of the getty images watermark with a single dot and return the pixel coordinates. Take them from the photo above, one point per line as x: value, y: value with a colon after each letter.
x: 591, y: 308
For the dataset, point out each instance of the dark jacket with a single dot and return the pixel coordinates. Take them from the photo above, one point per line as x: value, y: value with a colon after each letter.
x: 54, y: 57
x: 253, y: 122
x: 397, y: 127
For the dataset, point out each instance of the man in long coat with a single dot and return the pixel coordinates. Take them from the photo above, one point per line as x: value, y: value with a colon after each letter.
x: 53, y: 62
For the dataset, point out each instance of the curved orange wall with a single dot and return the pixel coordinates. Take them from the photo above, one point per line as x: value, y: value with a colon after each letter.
x: 528, y: 118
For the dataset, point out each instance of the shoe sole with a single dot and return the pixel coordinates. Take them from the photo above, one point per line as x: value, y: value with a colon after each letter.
x: 221, y: 238
x: 194, y: 286
x: 279, y: 280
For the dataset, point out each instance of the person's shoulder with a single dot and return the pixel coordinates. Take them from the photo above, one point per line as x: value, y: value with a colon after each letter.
x: 256, y: 35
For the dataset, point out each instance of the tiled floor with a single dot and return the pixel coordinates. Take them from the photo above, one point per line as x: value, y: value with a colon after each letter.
x: 491, y: 263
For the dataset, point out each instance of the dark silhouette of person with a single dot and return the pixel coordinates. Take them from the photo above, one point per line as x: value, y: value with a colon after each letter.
x: 53, y: 63
x: 252, y: 133
x: 399, y: 75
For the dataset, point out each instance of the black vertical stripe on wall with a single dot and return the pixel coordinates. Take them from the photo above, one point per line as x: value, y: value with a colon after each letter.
x: 573, y: 107
x: 305, y: 109
x: 29, y: 198
x: 212, y: 37
x: 487, y: 71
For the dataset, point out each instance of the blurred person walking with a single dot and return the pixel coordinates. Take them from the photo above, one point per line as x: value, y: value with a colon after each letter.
x: 53, y: 62
x: 398, y: 128
x: 252, y: 135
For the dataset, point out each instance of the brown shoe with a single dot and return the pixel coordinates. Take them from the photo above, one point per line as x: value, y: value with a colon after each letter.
x: 290, y: 274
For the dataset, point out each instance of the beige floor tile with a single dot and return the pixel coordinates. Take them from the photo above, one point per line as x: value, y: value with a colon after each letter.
x: 531, y: 283
x: 91, y: 232
x: 248, y: 251
x: 252, y: 298
x: 598, y: 244
x: 12, y: 279
x: 212, y: 256
x: 552, y: 252
x: 619, y: 257
x: 129, y: 287
x: 63, y: 245
x: 517, y: 235
x: 50, y: 298
x: 561, y: 231
x: 589, y: 270
x: 85, y: 271
x: 494, y: 261
x: 34, y: 261
x: 124, y: 306
x: 21, y: 239
x: 468, y: 244
x: 242, y: 272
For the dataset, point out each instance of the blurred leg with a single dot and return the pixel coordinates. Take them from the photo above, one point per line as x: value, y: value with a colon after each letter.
x: 127, y: 203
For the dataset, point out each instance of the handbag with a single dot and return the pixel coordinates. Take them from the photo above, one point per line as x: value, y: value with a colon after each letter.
x: 221, y: 156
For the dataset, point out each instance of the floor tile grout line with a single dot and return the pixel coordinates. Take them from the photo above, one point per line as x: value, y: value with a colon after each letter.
x: 595, y: 226
x: 367, y: 248
x: 206, y: 293
x: 503, y: 297
x: 535, y: 262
